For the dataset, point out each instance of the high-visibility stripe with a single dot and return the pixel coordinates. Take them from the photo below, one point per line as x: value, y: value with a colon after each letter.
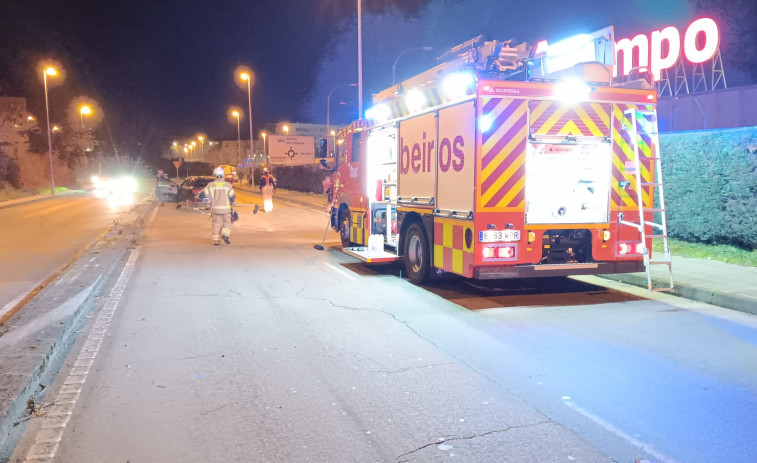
x: 623, y: 155
x: 450, y: 250
x: 556, y: 118
x: 503, y: 158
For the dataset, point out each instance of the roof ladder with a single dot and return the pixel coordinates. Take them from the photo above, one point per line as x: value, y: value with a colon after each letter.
x: 652, y: 222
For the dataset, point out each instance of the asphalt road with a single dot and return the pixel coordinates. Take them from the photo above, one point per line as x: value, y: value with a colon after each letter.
x: 38, y: 238
x: 271, y: 351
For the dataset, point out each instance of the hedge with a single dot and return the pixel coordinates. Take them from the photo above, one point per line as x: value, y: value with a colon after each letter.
x: 711, y: 186
x: 307, y: 179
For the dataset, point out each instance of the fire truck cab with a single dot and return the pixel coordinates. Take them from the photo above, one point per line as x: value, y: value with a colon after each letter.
x: 503, y: 161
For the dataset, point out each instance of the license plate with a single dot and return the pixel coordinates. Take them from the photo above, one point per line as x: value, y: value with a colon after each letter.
x: 497, y: 236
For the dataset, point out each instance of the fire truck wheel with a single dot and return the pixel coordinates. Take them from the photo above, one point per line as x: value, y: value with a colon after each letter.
x: 344, y: 228
x: 416, y: 254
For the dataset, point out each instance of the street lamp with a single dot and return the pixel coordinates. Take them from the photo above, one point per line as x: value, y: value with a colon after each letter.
x: 49, y: 71
x: 202, y: 145
x: 328, y: 102
x: 394, y: 66
x: 248, y: 77
x: 236, y: 114
x: 285, y: 129
x: 84, y: 110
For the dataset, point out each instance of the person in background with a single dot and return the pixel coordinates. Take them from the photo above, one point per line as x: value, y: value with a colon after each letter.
x: 222, y: 196
x: 161, y: 184
x: 267, y: 189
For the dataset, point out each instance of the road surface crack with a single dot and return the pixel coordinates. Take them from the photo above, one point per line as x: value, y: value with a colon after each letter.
x: 403, y: 370
x: 463, y: 438
x: 206, y: 412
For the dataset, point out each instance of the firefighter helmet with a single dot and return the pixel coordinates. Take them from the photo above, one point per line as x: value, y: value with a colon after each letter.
x: 219, y: 173
x: 265, y: 170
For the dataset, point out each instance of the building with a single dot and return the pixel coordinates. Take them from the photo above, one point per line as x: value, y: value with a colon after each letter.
x: 302, y: 130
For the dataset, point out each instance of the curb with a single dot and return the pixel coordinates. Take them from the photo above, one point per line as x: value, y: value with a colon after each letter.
x: 692, y: 292
x: 49, y: 322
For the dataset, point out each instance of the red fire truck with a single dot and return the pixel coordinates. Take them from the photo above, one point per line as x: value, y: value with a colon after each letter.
x: 503, y: 162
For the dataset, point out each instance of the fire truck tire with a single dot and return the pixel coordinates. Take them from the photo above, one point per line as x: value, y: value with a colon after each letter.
x: 417, y: 256
x: 344, y: 227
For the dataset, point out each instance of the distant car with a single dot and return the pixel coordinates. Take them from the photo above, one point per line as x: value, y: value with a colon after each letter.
x: 190, y: 190
x: 230, y: 173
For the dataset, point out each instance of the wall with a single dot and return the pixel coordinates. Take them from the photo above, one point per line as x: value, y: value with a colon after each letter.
x: 733, y: 107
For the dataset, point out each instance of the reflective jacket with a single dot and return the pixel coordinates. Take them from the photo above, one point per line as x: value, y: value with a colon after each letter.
x: 221, y: 195
x: 267, y: 179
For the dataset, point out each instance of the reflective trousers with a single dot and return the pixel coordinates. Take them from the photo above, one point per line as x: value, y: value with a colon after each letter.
x: 221, y: 226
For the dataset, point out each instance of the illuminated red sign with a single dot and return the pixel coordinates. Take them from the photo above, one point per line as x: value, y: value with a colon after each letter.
x: 662, y: 49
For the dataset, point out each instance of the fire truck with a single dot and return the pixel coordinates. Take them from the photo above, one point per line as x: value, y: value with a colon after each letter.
x: 506, y: 161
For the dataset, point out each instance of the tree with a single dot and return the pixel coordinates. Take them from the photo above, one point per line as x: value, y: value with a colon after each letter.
x: 738, y: 32
x: 15, y: 131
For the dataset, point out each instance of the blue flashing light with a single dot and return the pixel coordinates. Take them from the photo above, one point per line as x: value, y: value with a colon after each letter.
x: 485, y: 122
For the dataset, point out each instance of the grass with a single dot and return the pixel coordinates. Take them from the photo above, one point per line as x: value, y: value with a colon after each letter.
x: 7, y: 194
x: 720, y: 252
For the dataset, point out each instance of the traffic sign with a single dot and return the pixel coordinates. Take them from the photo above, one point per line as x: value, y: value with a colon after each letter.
x: 177, y: 163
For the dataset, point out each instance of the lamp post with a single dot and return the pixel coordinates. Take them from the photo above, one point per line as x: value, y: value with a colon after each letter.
x: 265, y: 148
x: 248, y: 77
x: 84, y: 110
x: 202, y: 146
x: 49, y: 71
x: 236, y: 114
x: 285, y: 129
x: 359, y: 60
x: 328, y: 103
x: 394, y: 66
x: 194, y: 147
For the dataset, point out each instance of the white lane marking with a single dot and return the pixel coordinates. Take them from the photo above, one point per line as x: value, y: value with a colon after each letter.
x: 345, y: 274
x: 51, y: 432
x: 630, y: 439
x: 152, y: 216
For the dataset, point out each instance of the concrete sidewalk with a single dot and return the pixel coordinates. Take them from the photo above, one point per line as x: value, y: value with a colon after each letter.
x: 712, y: 282
x: 725, y: 285
x: 35, y: 340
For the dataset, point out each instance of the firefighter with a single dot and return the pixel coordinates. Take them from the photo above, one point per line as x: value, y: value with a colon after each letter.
x: 267, y: 189
x: 222, y: 196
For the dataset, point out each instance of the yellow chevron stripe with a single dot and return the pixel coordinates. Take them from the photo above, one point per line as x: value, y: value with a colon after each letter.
x: 488, y: 194
x: 513, y: 192
x: 604, y: 116
x: 539, y: 110
x: 586, y: 118
x: 645, y: 174
x: 553, y: 119
x: 507, y: 125
x: 502, y: 155
x: 570, y: 128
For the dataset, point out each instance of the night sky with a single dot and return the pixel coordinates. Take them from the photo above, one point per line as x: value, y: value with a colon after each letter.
x: 163, y: 69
